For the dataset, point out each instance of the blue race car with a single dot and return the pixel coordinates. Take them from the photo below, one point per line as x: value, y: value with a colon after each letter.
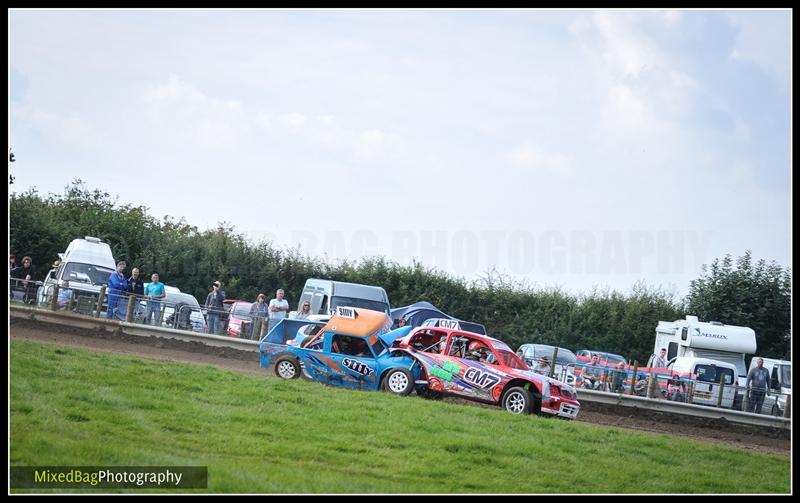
x: 351, y: 350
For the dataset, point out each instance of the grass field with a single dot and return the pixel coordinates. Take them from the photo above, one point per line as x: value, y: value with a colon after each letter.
x: 73, y: 407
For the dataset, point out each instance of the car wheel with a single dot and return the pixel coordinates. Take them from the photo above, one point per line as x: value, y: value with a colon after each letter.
x: 287, y: 367
x: 517, y: 400
x: 398, y: 382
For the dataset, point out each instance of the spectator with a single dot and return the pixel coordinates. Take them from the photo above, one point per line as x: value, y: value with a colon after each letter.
x: 658, y: 360
x: 542, y: 366
x: 618, y: 379
x: 23, y: 276
x: 591, y: 373
x: 12, y: 262
x: 305, y: 311
x: 117, y: 285
x: 136, y: 283
x: 64, y: 295
x: 758, y: 384
x: 154, y: 292
x: 640, y: 387
x: 259, y: 312
x: 676, y: 389
x: 214, y: 307
x: 135, y: 292
x: 278, y: 307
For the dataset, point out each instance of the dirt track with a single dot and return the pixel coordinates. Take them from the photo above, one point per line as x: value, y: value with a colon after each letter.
x: 757, y: 439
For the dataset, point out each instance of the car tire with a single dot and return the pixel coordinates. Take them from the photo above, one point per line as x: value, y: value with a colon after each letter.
x: 517, y: 400
x: 287, y: 367
x: 398, y: 382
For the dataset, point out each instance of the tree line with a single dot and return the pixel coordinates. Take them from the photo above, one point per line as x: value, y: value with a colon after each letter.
x: 740, y: 292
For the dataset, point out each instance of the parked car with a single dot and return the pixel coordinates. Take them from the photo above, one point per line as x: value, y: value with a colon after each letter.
x: 240, y: 323
x: 605, y: 359
x: 481, y: 368
x: 565, y: 360
x: 351, y: 350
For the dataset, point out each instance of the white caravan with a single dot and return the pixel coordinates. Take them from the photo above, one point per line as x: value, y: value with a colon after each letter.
x: 691, y: 337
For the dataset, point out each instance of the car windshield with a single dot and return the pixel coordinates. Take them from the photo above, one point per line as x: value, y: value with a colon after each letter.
x: 242, y: 311
x: 786, y: 376
x: 510, y: 359
x: 373, y: 305
x: 86, y: 273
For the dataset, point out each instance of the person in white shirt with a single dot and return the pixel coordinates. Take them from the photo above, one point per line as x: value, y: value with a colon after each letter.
x: 278, y: 308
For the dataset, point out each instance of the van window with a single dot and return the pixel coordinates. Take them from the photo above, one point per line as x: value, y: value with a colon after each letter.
x: 786, y: 376
x: 362, y: 303
x: 712, y: 374
x: 684, y: 333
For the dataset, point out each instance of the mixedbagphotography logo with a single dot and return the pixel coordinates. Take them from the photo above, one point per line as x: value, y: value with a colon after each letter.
x: 99, y: 477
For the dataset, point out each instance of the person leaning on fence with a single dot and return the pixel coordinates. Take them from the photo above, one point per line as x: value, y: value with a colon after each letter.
x: 676, y: 389
x: 258, y: 313
x: 136, y: 291
x: 214, y: 305
x: 618, y: 379
x: 23, y: 276
x: 591, y: 373
x: 758, y: 384
x: 154, y: 292
x: 65, y: 295
x: 117, y: 285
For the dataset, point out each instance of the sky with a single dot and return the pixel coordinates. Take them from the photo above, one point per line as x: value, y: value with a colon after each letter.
x: 566, y: 149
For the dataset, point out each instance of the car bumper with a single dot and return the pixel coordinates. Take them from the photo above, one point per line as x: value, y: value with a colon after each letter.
x: 566, y: 410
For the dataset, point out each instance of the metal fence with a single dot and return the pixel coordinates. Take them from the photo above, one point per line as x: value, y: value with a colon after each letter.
x: 685, y: 387
x: 136, y: 309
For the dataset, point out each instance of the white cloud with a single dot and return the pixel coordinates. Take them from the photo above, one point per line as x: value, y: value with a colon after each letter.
x: 65, y: 129
x: 180, y: 111
x: 374, y: 144
x: 529, y: 157
x: 764, y: 39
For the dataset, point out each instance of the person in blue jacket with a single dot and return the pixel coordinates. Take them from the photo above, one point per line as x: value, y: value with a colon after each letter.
x: 117, y: 285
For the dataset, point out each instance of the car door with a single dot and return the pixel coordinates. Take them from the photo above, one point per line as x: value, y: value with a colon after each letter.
x: 352, y: 363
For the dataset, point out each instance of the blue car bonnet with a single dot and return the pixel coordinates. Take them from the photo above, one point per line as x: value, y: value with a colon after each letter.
x: 389, y: 337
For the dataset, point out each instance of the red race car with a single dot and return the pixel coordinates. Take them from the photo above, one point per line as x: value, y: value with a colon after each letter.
x: 478, y: 367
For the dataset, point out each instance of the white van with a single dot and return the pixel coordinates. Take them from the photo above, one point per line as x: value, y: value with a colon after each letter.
x: 706, y: 374
x: 86, y: 264
x: 780, y: 386
x: 326, y: 295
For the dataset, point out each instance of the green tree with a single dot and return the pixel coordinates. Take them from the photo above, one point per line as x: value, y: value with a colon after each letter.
x: 752, y: 295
